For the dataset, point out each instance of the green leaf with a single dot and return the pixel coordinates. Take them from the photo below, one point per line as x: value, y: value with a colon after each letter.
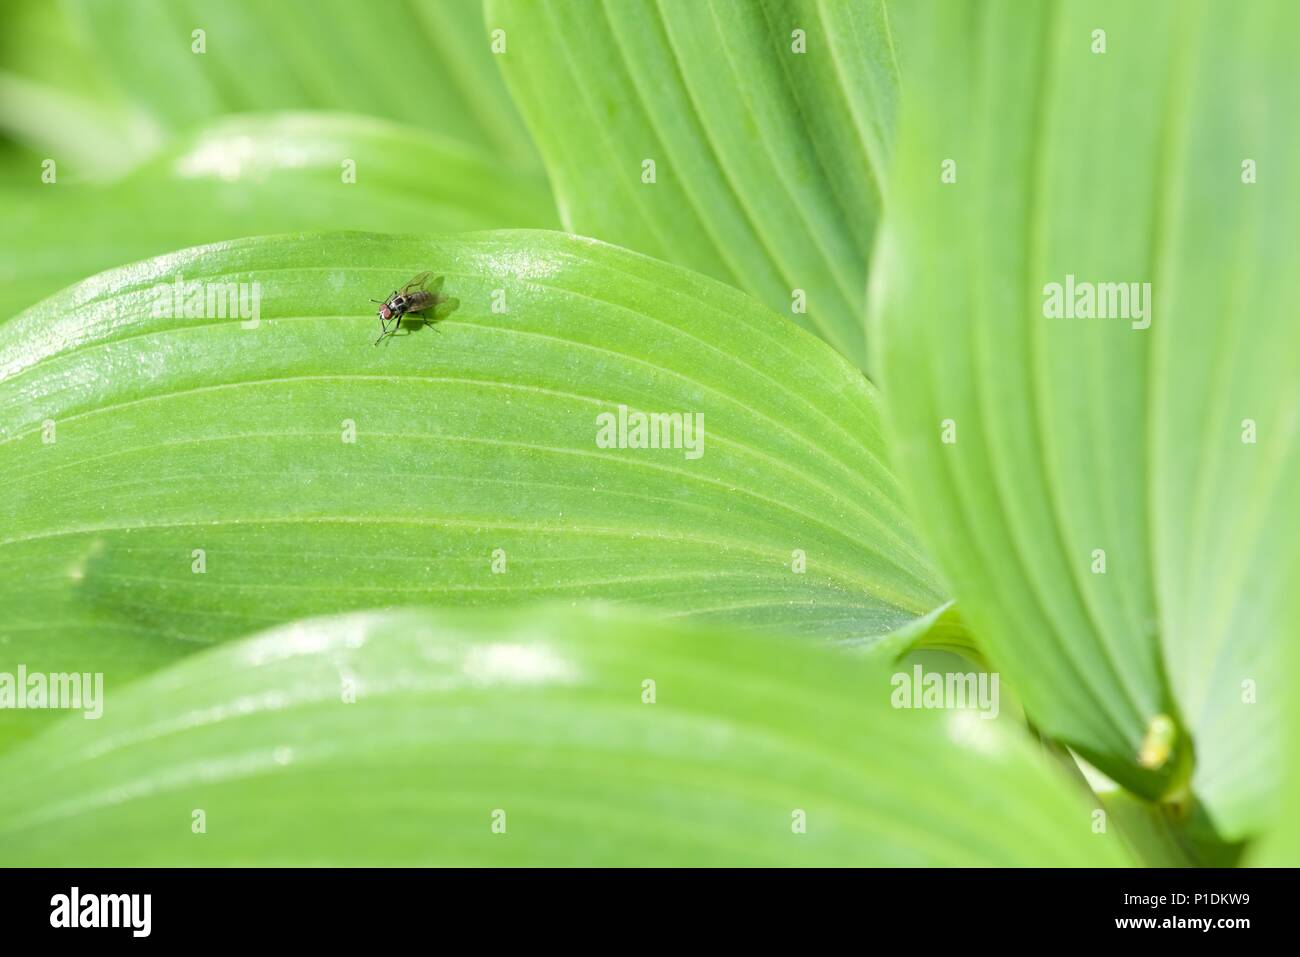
x: 593, y: 737
x: 56, y: 102
x: 422, y: 62
x: 260, y: 174
x: 1075, y: 436
x: 1281, y: 847
x: 941, y: 630
x: 766, y: 160
x: 129, y: 443
x: 1158, y: 835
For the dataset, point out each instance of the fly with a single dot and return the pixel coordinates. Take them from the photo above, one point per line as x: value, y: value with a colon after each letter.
x: 414, y: 297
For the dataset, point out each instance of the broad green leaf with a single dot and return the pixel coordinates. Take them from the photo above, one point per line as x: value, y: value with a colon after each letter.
x: 260, y: 174
x: 422, y: 62
x: 584, y: 737
x: 766, y: 159
x: 1174, y: 447
x: 173, y: 482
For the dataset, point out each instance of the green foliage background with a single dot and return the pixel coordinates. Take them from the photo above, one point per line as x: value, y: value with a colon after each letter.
x: 797, y: 148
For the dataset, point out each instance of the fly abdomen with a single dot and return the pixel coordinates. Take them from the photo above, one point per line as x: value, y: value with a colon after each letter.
x: 419, y: 300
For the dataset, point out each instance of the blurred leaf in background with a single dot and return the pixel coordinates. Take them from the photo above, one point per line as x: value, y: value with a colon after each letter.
x: 414, y: 135
x: 57, y: 100
x: 270, y: 173
x: 424, y: 63
x: 552, y: 736
x: 1281, y: 847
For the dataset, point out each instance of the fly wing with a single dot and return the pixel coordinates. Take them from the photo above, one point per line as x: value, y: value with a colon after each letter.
x: 417, y: 283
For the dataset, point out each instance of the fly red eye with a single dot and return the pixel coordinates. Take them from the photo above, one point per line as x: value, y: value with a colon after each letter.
x: 385, y: 311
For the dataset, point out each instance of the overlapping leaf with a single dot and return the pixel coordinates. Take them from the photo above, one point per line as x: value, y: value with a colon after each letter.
x: 169, y: 482
x: 251, y: 175
x: 767, y: 124
x: 1114, y: 502
x: 551, y: 737
x: 255, y: 175
x: 422, y: 62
